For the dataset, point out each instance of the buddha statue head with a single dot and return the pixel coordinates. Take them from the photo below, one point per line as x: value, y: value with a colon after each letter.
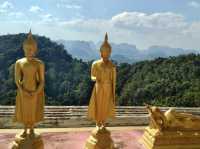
x: 105, y: 48
x: 30, y: 46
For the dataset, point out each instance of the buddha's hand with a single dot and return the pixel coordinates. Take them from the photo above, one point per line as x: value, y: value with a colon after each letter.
x: 24, y: 92
x: 33, y: 93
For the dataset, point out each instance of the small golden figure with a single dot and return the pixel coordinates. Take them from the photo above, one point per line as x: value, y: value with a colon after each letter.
x: 102, y: 102
x: 29, y: 78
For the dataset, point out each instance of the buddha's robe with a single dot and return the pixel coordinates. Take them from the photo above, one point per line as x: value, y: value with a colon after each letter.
x: 102, y: 101
x: 29, y: 108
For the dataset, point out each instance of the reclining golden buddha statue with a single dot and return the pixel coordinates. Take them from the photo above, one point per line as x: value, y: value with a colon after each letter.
x: 172, y: 119
x: 171, y: 130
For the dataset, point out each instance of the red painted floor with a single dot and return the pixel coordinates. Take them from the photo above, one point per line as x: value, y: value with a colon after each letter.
x: 76, y: 140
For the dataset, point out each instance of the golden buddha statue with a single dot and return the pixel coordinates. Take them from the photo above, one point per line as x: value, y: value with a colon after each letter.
x: 102, y: 101
x: 171, y: 130
x: 29, y: 78
x: 103, y: 72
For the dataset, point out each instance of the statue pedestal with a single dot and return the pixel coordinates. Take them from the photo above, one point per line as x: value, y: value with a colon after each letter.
x: 29, y: 142
x: 171, y: 139
x: 100, y: 139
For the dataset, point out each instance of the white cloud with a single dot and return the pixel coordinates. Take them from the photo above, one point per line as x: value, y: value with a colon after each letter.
x: 7, y: 11
x: 86, y: 25
x: 35, y: 9
x: 68, y: 6
x: 194, y: 4
x: 6, y: 6
x: 193, y: 30
x: 135, y: 20
x: 142, y: 29
x: 47, y: 19
x: 16, y: 14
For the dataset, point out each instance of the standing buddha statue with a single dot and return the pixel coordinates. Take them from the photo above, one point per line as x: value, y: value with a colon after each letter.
x: 102, y: 101
x: 29, y: 78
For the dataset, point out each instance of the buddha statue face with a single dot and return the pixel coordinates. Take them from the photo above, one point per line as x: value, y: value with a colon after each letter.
x: 30, y: 50
x: 30, y: 46
x: 105, y: 54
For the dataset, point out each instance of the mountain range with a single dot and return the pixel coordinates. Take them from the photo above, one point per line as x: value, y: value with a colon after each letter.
x: 122, y: 53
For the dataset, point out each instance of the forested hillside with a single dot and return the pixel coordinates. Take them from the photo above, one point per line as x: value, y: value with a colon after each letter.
x: 173, y: 81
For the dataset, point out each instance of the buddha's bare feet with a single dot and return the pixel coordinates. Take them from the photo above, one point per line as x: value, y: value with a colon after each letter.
x: 103, y: 124
x: 32, y: 133
x: 98, y: 126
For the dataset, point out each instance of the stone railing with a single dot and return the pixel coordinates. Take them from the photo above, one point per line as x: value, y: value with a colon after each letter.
x: 76, y: 116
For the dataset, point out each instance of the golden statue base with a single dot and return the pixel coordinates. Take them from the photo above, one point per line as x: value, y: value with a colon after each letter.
x: 171, y: 139
x: 100, y: 139
x: 29, y: 142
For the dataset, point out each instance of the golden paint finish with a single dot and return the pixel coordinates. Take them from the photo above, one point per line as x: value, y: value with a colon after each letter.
x: 102, y: 101
x: 29, y: 78
x: 29, y: 142
x: 171, y: 130
x: 100, y: 139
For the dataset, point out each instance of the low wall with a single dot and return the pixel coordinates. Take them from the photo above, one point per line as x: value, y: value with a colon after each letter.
x: 76, y: 116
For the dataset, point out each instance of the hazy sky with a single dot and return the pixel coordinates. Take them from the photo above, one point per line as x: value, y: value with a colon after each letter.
x: 174, y: 23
